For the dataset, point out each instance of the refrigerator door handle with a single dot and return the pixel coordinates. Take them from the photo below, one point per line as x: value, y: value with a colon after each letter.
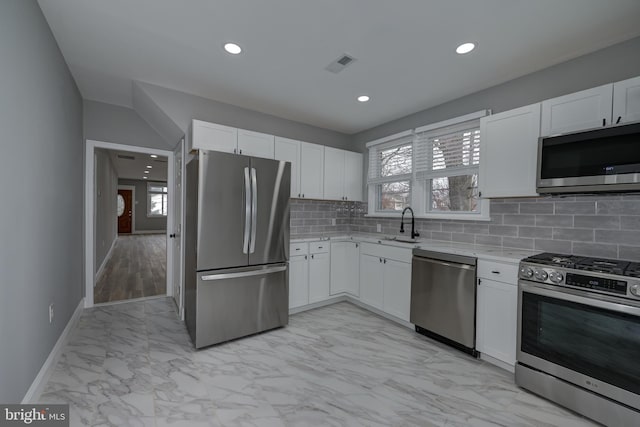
x: 247, y: 211
x: 254, y: 209
x: 260, y: 272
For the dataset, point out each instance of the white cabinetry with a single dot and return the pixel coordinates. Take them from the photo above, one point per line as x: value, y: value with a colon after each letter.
x: 497, y: 311
x: 298, y: 280
x: 397, y: 288
x: 319, y: 271
x: 345, y: 268
x: 626, y: 101
x: 255, y: 144
x: 210, y: 136
x: 288, y: 150
x: 582, y: 110
x: 509, y: 152
x: 371, y: 280
x: 311, y: 171
x: 342, y: 175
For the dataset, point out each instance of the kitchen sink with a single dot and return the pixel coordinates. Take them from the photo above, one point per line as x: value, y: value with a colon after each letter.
x: 402, y: 239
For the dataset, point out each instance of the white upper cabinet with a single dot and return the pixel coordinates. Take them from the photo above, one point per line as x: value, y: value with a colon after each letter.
x: 626, y: 101
x: 255, y: 144
x: 288, y: 150
x: 333, y: 173
x: 509, y: 152
x: 311, y: 171
x: 342, y: 175
x: 210, y: 136
x: 587, y: 109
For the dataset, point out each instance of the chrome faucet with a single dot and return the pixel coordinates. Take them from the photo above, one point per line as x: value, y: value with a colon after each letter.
x: 414, y: 233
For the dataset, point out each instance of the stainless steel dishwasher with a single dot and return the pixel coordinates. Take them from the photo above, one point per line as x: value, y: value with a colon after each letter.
x: 443, y: 298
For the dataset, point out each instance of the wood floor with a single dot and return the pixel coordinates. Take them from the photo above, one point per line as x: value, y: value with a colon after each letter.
x: 137, y: 268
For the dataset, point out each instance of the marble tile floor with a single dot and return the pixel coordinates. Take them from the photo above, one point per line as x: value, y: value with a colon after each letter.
x: 133, y: 364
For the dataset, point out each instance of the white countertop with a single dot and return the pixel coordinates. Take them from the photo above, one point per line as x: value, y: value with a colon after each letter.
x: 491, y: 253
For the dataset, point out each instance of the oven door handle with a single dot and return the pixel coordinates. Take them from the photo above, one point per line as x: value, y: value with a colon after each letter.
x: 599, y: 301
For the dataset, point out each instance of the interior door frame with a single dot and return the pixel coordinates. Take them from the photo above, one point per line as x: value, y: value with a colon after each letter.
x: 133, y: 205
x: 89, y: 211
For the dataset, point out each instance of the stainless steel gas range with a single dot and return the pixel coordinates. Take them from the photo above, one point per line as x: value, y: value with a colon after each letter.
x: 579, y: 334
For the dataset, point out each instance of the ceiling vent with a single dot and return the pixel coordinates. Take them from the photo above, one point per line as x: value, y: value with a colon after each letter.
x: 341, y: 63
x: 125, y: 157
x: 160, y: 160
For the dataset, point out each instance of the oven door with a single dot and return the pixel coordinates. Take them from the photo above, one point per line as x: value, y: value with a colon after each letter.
x: 590, y: 340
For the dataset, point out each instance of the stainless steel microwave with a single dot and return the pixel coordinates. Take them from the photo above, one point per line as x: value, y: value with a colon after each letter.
x: 602, y: 160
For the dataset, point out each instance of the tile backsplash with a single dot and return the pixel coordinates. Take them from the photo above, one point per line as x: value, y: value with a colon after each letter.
x: 593, y: 225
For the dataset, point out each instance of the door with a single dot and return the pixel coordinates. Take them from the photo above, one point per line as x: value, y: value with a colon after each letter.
x: 496, y: 320
x: 353, y: 176
x: 176, y: 235
x: 319, y: 277
x: 333, y: 174
x: 397, y: 288
x: 224, y: 209
x: 298, y: 281
x: 125, y: 205
x: 626, y: 101
x: 289, y: 151
x: 371, y: 280
x: 311, y: 171
x: 255, y: 144
x: 270, y: 187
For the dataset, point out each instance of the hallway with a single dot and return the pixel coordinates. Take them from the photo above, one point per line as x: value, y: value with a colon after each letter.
x: 137, y: 268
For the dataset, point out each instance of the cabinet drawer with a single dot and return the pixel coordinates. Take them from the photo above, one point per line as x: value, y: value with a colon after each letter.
x: 298, y: 249
x: 319, y: 247
x: 388, y: 252
x: 500, y: 271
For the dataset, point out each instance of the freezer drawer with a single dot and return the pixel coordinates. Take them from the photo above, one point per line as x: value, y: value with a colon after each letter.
x: 233, y: 303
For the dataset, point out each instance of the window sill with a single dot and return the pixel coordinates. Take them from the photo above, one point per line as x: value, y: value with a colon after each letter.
x: 454, y: 217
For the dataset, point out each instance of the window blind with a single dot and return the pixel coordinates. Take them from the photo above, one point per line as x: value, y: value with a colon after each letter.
x: 453, y: 150
x: 391, y: 161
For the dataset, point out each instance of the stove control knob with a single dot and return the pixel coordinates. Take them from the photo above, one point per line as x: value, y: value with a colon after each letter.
x: 635, y: 290
x: 556, y: 277
x: 526, y: 272
x: 541, y: 275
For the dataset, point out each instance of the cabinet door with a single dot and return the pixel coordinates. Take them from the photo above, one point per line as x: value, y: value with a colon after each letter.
x: 210, y: 136
x: 397, y: 288
x: 255, y: 144
x: 626, y: 101
x: 298, y: 281
x: 311, y: 170
x: 339, y: 267
x: 578, y: 111
x: 352, y: 284
x: 319, y: 277
x: 496, y: 322
x: 353, y: 176
x: 288, y: 150
x: 333, y: 174
x: 509, y: 152
x: 371, y: 280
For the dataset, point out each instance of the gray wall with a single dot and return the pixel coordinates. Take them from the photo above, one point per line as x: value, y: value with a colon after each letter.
x: 142, y: 221
x: 106, y: 190
x: 182, y: 108
x: 618, y: 62
x: 41, y: 170
x: 121, y: 125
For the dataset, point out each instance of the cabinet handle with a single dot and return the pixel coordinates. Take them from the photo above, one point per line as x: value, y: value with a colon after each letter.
x: 305, y: 257
x: 235, y: 151
x: 357, y: 246
x: 385, y: 261
x: 297, y: 249
x: 303, y: 195
x: 480, y: 194
x: 479, y: 281
x: 241, y: 151
x: 312, y: 256
x: 604, y: 122
x: 320, y: 247
x: 495, y: 272
x: 619, y: 118
x: 380, y: 259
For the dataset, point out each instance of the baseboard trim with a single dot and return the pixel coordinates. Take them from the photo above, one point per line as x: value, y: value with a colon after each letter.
x: 104, y: 262
x: 380, y: 313
x: 318, y: 304
x: 37, y: 386
x: 497, y: 362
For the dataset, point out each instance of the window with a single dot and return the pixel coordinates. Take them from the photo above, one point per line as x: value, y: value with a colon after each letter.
x: 434, y: 169
x: 157, y: 199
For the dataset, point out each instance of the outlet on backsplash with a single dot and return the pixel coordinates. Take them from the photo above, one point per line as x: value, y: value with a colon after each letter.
x: 379, y: 228
x: 50, y: 313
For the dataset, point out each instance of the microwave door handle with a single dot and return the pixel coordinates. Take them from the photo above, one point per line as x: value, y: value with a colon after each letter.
x: 254, y: 209
x: 247, y: 212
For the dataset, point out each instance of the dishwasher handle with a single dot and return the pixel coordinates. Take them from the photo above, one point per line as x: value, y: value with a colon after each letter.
x: 459, y: 265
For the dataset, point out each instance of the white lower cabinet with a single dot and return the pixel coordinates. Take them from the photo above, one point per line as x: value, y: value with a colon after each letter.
x: 319, y: 276
x: 298, y: 281
x: 345, y: 268
x: 371, y: 280
x: 397, y: 288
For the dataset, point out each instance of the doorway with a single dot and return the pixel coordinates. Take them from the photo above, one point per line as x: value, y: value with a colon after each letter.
x: 127, y: 218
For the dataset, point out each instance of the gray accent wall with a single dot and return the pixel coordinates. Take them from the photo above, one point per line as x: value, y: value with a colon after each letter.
x: 106, y: 190
x: 41, y: 215
x: 142, y: 221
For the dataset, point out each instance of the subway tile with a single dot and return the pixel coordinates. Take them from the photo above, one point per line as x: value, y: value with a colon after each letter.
x: 503, y: 230
x: 559, y: 246
x: 559, y: 198
x: 462, y: 237
x: 573, y: 208
x: 509, y: 208
x: 554, y: 220
x: 519, y: 219
x: 497, y: 219
x: 430, y: 225
x: 517, y: 242
x: 597, y: 221
x: 630, y: 223
x: 439, y: 235
x: 620, y: 237
x: 476, y: 228
x: 536, y: 208
x: 621, y: 207
x: 453, y: 227
x: 575, y: 234
x: 535, y: 232
x: 595, y: 249
x: 488, y: 240
x: 632, y: 253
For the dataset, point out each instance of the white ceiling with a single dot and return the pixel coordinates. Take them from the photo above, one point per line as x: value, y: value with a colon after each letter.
x: 405, y: 49
x: 134, y: 169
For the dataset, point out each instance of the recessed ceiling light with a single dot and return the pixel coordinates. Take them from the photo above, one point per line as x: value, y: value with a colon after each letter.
x: 144, y: 177
x: 465, y: 48
x: 154, y: 156
x: 149, y: 166
x: 146, y: 171
x: 363, y: 98
x: 232, y: 48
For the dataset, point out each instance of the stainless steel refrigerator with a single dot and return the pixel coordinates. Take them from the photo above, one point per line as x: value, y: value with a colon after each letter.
x: 236, y: 246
